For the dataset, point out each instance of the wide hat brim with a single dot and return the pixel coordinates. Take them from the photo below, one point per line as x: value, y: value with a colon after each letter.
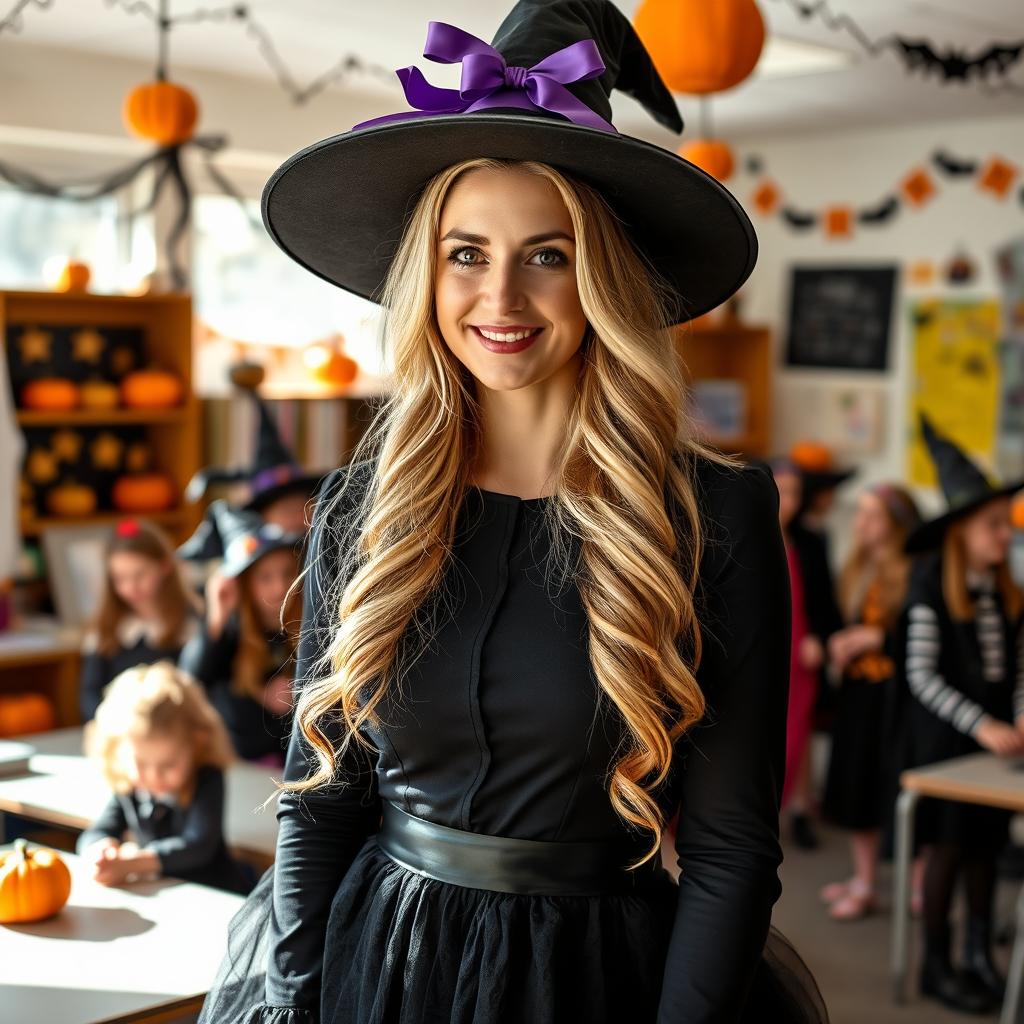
x: 307, y: 484
x: 234, y: 565
x: 339, y: 207
x: 930, y: 533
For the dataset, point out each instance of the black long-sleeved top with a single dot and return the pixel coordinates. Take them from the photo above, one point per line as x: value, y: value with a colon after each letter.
x: 501, y: 731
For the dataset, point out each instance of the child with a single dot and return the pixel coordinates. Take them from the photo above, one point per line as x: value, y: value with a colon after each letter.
x: 958, y: 655
x: 146, y: 612
x: 872, y: 587
x: 163, y: 750
x: 243, y: 651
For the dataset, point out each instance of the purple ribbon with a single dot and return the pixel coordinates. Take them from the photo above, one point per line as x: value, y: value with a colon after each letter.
x: 487, y: 81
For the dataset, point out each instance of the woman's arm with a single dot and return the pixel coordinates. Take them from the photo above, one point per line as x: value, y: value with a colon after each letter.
x: 727, y: 840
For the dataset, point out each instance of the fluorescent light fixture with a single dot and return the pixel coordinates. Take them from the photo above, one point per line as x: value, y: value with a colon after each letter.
x: 784, y: 58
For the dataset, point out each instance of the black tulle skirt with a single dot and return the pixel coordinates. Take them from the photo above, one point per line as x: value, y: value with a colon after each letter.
x: 402, y: 948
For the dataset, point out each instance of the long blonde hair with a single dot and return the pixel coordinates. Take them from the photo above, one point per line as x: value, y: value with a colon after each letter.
x: 155, y: 700
x: 628, y: 453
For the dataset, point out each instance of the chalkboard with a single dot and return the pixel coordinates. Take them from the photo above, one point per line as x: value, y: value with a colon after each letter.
x: 839, y: 317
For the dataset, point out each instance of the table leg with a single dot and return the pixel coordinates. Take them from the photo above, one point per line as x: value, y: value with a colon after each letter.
x: 905, y: 806
x: 1015, y: 979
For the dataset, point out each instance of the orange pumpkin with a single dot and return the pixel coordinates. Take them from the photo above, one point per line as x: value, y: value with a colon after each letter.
x: 71, y: 499
x: 50, y: 394
x: 151, y: 389
x: 161, y: 112
x: 24, y: 713
x: 74, y: 277
x: 701, y: 47
x: 711, y: 155
x: 34, y: 884
x: 143, y: 492
x: 1017, y: 513
x: 811, y: 456
x: 330, y: 365
x: 100, y: 394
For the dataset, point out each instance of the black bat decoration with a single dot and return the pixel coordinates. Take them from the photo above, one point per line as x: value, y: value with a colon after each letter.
x: 798, y: 219
x: 952, y: 166
x: 881, y: 213
x: 955, y: 65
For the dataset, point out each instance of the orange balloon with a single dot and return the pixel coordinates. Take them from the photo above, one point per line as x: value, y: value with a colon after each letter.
x: 711, y: 155
x: 701, y: 46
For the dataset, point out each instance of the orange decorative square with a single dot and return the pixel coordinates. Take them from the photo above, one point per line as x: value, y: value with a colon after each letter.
x: 766, y: 198
x: 250, y: 544
x: 997, y: 176
x: 918, y: 187
x: 839, y: 222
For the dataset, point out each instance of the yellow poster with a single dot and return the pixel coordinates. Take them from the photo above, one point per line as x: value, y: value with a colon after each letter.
x: 955, y: 380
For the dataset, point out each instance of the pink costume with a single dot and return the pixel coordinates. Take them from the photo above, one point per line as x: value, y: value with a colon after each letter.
x: 803, y: 683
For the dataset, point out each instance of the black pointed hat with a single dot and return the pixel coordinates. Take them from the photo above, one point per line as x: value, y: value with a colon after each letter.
x: 238, y: 536
x: 541, y: 91
x: 963, y: 484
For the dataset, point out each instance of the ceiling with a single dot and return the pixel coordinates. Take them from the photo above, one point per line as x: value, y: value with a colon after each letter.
x: 312, y: 35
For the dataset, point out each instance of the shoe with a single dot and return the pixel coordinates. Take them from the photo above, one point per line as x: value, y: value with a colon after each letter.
x: 857, y: 903
x: 978, y: 957
x: 834, y: 891
x: 956, y: 990
x: 803, y: 834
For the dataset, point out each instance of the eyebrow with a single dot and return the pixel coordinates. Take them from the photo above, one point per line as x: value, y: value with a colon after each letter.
x: 467, y: 236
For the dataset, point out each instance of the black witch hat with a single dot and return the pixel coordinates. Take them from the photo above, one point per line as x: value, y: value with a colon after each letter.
x: 963, y: 484
x: 273, y: 474
x: 540, y: 91
x: 238, y: 536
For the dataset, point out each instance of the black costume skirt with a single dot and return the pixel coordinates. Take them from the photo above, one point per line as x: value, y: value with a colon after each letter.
x: 402, y: 948
x: 861, y: 765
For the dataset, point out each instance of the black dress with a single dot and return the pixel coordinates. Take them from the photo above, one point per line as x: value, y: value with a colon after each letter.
x: 255, y: 730
x: 502, y: 731
x: 188, y: 840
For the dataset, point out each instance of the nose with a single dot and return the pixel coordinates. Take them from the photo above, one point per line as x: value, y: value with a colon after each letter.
x: 504, y: 286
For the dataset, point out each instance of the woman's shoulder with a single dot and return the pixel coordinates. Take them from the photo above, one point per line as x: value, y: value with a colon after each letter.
x: 732, y: 494
x: 349, y: 483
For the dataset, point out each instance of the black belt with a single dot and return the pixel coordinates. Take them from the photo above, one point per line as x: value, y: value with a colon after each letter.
x: 525, y: 866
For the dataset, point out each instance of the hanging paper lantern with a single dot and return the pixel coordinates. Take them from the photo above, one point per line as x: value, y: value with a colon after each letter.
x: 161, y: 112
x: 701, y: 47
x: 711, y: 155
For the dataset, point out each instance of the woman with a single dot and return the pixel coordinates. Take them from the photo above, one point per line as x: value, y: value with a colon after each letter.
x: 872, y: 587
x: 961, y: 664
x: 529, y: 588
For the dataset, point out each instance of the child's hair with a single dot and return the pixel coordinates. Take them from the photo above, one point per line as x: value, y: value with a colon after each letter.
x: 174, y: 600
x: 252, y: 660
x: 954, y: 579
x: 155, y: 700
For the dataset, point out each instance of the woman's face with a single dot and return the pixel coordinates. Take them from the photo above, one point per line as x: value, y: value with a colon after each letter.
x: 872, y: 526
x: 160, y: 764
x: 987, y: 533
x: 505, y: 291
x: 137, y: 579
x: 790, y: 494
x: 268, y: 581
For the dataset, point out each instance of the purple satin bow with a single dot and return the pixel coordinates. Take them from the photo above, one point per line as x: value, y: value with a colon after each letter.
x: 487, y: 81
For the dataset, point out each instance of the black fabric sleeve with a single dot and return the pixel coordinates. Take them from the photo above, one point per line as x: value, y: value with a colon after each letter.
x: 209, y: 660
x: 110, y: 823
x: 731, y: 765
x: 321, y: 831
x: 202, y: 831
x: 93, y: 676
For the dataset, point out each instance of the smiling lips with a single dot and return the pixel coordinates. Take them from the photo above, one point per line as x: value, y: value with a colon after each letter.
x: 507, y: 338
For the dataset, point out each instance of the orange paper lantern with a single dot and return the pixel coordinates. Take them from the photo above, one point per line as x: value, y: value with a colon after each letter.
x: 161, y: 112
x: 711, y: 155
x: 701, y: 47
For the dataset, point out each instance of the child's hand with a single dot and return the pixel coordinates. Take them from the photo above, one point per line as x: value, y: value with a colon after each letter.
x: 99, y: 851
x: 125, y: 864
x: 999, y: 737
x: 277, y: 695
x: 812, y: 654
x: 221, y: 601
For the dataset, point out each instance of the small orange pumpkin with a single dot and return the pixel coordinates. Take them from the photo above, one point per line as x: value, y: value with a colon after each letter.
x: 34, y: 884
x: 161, y: 112
x: 24, y: 713
x: 811, y: 456
x: 151, y: 389
x: 71, y: 499
x: 711, y: 155
x: 1017, y: 513
x: 50, y: 394
x: 143, y: 492
x: 74, y: 277
x: 99, y: 394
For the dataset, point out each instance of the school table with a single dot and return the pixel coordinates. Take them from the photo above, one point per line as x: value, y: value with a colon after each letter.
x: 63, y: 787
x: 41, y: 656
x: 975, y: 779
x: 142, y: 951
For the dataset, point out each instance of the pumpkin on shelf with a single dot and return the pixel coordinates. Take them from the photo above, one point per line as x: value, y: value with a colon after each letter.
x: 143, y: 492
x: 100, y: 394
x: 24, y: 713
x: 34, y: 883
x: 71, y: 499
x: 74, y: 277
x: 50, y: 394
x: 151, y: 389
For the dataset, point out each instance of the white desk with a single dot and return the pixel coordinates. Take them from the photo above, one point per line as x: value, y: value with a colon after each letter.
x: 137, y: 952
x: 64, y: 787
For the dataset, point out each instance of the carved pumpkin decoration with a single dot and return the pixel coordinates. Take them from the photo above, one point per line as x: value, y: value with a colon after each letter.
x: 24, y: 713
x: 151, y: 389
x: 74, y: 277
x: 50, y: 394
x: 161, y: 112
x: 711, y: 155
x: 34, y: 883
x: 100, y: 394
x: 71, y: 499
x: 143, y: 492
x: 700, y: 47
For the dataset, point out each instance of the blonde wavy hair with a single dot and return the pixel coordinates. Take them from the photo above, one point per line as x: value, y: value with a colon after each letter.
x: 628, y: 452
x: 154, y: 700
